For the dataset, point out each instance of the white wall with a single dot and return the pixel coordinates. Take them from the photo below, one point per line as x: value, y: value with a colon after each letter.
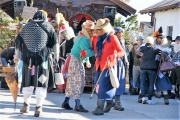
x: 169, y: 18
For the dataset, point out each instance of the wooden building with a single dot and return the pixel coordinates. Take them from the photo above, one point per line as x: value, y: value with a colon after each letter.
x: 81, y: 9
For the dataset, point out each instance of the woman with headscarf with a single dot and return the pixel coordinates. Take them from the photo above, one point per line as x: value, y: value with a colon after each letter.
x: 35, y: 42
x: 80, y: 53
x: 108, y: 48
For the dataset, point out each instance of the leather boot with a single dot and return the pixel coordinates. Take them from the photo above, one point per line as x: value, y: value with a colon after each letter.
x: 140, y: 98
x: 38, y: 112
x: 66, y: 106
x: 80, y: 109
x: 118, y: 106
x: 99, y: 108
x: 25, y: 108
x: 166, y: 100
x: 110, y: 103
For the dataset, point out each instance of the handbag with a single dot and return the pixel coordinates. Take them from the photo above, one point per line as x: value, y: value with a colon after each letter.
x: 58, y: 76
x: 167, y: 66
x: 113, y: 77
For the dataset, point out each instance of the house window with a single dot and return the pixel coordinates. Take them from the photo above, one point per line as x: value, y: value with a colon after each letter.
x: 170, y: 30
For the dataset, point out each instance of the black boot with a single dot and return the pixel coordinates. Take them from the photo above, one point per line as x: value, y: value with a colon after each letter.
x: 80, y: 109
x: 66, y: 106
x: 110, y: 103
x: 166, y: 100
x: 134, y: 91
x: 100, y: 107
x: 140, y: 98
x: 118, y: 106
x: 172, y: 96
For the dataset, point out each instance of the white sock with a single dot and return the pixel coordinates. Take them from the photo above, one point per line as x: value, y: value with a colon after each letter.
x: 39, y: 102
x: 165, y: 92
x: 27, y: 98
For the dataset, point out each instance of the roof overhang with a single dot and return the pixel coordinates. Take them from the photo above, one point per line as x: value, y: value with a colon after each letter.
x: 158, y: 9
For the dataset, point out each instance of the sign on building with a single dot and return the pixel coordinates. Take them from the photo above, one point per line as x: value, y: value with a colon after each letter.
x: 28, y: 12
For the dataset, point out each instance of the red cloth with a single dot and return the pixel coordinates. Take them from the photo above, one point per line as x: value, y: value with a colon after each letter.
x: 109, y: 49
x: 65, y: 71
x: 79, y: 17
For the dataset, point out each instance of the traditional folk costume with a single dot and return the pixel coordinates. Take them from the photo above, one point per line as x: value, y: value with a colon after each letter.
x: 35, y: 42
x: 106, y: 45
x: 162, y: 83
x: 76, y: 72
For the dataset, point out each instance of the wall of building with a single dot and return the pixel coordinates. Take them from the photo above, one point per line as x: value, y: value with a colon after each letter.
x: 168, y: 18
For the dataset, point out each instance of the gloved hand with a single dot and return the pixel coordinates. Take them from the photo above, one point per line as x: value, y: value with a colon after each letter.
x: 88, y: 64
x: 164, y: 54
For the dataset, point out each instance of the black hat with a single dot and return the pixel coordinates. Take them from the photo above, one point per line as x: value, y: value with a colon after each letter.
x: 159, y: 33
x: 177, y: 38
x: 169, y: 38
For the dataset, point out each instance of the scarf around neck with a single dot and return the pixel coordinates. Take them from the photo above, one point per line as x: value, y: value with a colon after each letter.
x: 100, y: 43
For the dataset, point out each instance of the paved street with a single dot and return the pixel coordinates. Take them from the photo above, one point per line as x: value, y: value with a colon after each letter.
x: 53, y: 111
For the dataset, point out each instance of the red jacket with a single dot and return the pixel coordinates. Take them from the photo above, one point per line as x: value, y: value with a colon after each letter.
x: 109, y: 49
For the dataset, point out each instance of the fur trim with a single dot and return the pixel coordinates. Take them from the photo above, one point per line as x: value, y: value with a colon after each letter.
x: 149, y: 40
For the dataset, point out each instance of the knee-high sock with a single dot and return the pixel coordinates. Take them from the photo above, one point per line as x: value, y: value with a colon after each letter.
x: 173, y: 89
x: 40, y: 95
x: 39, y: 101
x: 165, y: 92
x: 27, y: 92
x: 66, y: 100
x: 27, y: 98
x: 78, y: 103
x: 117, y: 98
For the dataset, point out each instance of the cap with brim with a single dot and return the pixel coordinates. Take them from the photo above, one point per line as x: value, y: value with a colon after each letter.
x: 75, y: 21
x: 140, y: 38
x: 101, y: 23
x: 177, y: 38
x: 88, y: 24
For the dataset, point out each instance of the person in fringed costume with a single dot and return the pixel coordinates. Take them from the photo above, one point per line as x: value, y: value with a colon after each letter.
x: 36, y: 41
x: 66, y: 39
x: 107, y: 47
x: 80, y: 54
x: 20, y: 62
x: 162, y: 44
x: 175, y: 75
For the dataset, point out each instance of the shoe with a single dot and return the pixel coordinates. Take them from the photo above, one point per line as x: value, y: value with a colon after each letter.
x: 38, y: 112
x: 134, y: 91
x: 144, y: 100
x: 118, y: 106
x: 25, y: 108
x: 140, y: 98
x: 66, y: 106
x: 157, y: 95
x: 80, y: 109
x: 110, y: 103
x: 166, y: 100
x: 151, y: 102
x: 172, y: 96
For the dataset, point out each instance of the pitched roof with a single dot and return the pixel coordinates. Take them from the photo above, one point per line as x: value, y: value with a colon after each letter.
x: 163, y: 5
